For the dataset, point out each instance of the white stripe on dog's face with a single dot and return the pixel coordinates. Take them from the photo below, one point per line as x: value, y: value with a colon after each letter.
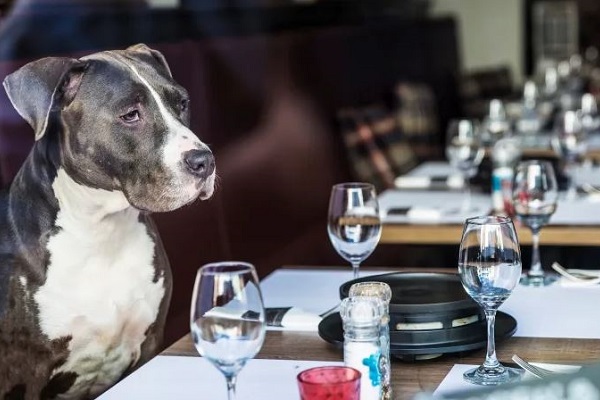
x: 180, y: 137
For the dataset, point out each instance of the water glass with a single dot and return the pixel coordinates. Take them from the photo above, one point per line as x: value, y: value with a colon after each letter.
x: 325, y: 383
x: 465, y: 151
x: 354, y: 225
x: 570, y: 144
x: 535, y: 196
x: 489, y: 266
x: 227, y: 317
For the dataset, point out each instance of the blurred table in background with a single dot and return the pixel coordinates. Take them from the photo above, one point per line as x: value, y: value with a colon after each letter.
x: 424, y: 210
x: 450, y: 234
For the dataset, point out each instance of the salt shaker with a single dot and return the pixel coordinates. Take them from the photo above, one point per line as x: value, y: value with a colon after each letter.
x: 361, y: 318
x: 381, y: 291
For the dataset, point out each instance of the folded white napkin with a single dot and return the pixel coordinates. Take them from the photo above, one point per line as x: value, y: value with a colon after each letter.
x: 412, y: 182
x: 455, y: 181
x: 424, y: 214
x: 424, y: 182
x: 292, y: 318
x: 279, y: 318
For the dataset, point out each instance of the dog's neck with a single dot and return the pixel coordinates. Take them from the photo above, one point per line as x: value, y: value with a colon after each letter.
x: 85, y: 204
x: 38, y: 206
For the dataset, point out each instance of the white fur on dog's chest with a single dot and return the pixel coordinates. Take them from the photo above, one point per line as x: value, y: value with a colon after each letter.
x: 99, y: 287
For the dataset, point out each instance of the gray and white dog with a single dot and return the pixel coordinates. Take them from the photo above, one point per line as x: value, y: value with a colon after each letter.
x: 84, y: 280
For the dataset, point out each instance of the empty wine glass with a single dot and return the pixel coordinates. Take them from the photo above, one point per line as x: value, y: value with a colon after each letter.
x: 354, y: 225
x: 227, y: 317
x: 570, y: 144
x: 464, y: 151
x: 535, y: 194
x: 489, y: 265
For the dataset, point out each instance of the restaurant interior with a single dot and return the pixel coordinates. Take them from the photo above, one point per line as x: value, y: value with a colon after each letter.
x: 296, y: 96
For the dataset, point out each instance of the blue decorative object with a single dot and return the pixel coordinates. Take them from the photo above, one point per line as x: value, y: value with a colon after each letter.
x: 373, y: 363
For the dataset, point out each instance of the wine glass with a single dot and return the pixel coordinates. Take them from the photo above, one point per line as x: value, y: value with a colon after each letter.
x: 353, y: 224
x: 570, y: 144
x: 535, y: 194
x: 227, y: 317
x: 465, y: 152
x: 489, y: 265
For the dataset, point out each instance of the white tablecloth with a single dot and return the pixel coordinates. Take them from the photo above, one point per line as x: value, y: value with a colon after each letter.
x: 194, y: 378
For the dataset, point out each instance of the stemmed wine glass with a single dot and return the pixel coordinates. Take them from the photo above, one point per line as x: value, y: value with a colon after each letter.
x: 570, y: 144
x: 489, y: 265
x: 465, y: 151
x: 353, y: 224
x: 227, y: 317
x: 535, y: 194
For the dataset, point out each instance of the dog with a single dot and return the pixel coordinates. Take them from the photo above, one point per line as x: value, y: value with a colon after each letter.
x: 84, y: 280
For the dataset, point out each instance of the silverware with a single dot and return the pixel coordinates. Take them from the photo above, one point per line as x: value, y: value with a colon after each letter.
x: 590, y: 189
x: 532, y: 369
x: 580, y: 276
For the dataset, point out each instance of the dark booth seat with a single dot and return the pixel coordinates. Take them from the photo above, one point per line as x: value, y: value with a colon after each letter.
x: 265, y: 100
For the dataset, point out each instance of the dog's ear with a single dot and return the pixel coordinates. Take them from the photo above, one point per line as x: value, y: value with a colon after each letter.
x: 42, y: 86
x: 146, y: 51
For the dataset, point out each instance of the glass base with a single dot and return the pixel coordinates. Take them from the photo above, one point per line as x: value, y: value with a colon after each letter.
x: 539, y: 280
x: 493, y: 376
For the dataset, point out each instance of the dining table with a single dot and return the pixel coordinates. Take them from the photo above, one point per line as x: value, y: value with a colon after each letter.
x: 439, y: 221
x: 410, y: 378
x: 556, y: 324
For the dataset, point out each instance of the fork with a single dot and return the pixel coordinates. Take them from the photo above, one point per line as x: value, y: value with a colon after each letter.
x: 576, y: 275
x: 536, y: 371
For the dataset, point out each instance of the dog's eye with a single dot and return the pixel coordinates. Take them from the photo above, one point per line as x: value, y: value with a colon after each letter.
x: 184, y: 104
x: 131, y: 116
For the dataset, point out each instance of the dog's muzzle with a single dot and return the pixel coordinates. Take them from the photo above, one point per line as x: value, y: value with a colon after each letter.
x: 199, y: 162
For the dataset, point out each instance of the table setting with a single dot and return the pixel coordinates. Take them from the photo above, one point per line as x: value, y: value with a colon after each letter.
x: 434, y: 320
x: 169, y: 375
x: 353, y: 333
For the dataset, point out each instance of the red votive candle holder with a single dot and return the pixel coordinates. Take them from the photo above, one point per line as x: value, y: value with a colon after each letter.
x: 334, y: 382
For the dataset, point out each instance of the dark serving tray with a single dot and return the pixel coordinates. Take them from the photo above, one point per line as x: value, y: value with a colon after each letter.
x: 419, y: 297
x: 426, y: 298
x: 428, y: 342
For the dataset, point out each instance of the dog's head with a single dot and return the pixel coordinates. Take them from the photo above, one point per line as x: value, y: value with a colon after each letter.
x: 122, y: 123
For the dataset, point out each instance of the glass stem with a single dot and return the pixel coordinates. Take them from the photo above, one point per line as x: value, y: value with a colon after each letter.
x: 571, y: 170
x: 536, y: 265
x: 231, y: 381
x: 355, y: 269
x: 491, y: 361
x: 466, y: 206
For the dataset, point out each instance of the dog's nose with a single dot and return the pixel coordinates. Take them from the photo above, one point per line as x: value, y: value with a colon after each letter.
x: 200, y: 162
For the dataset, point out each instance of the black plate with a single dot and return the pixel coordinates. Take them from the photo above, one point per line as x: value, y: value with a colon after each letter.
x: 439, y: 341
x: 422, y: 293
